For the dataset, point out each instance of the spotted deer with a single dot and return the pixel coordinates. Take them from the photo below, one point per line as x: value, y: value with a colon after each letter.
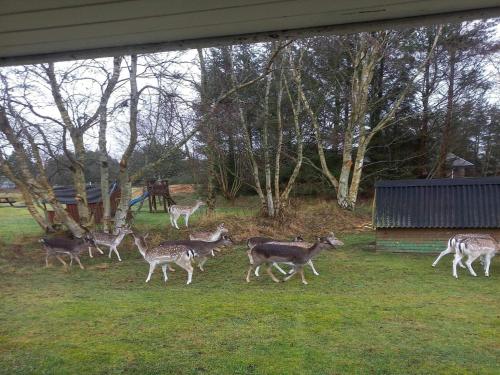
x: 209, y: 236
x: 176, y: 211
x: 110, y: 240
x: 201, y: 249
x: 268, y: 253
x: 163, y: 255
x: 473, y: 248
x: 452, y: 244
x: 64, y: 246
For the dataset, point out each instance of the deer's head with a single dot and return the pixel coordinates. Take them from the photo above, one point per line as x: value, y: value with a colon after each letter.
x: 332, y: 240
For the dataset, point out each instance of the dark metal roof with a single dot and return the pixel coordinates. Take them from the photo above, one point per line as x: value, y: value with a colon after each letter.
x: 438, y: 203
x: 67, y: 194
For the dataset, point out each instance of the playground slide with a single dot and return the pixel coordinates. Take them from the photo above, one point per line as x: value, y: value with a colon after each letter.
x: 140, y: 198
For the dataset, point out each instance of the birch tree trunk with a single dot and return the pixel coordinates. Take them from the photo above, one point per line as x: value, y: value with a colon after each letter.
x: 103, y: 152
x: 125, y: 181
x: 210, y: 136
x: 265, y: 144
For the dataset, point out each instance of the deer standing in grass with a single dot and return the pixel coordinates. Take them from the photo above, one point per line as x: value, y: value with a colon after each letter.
x: 164, y: 254
x: 176, y: 211
x: 110, y: 240
x: 297, y: 241
x: 452, y: 245
x: 201, y: 249
x: 473, y: 248
x: 209, y: 236
x: 64, y: 246
x: 268, y: 253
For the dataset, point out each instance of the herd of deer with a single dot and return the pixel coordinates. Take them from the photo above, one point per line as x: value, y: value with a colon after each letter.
x: 196, y: 250
x: 261, y: 250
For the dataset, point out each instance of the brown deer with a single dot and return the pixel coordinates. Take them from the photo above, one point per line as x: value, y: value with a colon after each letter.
x: 64, y: 246
x: 269, y: 253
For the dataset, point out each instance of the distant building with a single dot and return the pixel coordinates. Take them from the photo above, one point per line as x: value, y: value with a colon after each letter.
x: 421, y: 215
x: 458, y: 167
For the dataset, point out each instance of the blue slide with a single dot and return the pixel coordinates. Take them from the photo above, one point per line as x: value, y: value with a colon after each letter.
x: 138, y: 199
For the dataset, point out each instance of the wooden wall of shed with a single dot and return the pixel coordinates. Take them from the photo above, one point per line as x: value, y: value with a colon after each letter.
x: 421, y: 240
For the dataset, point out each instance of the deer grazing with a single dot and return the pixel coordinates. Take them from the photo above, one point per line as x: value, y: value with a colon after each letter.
x: 110, y: 240
x: 209, y: 236
x: 283, y: 253
x: 475, y: 247
x: 64, y: 246
x: 164, y: 254
x: 452, y: 245
x: 201, y: 249
x: 176, y: 211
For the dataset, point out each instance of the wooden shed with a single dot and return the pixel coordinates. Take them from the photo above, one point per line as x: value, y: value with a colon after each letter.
x: 421, y: 215
x: 67, y: 196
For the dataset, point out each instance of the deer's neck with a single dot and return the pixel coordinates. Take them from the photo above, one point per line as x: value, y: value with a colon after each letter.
x: 314, y: 250
x: 195, y: 207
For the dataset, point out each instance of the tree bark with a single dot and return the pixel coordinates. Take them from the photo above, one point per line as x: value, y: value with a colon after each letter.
x: 103, y: 152
x: 125, y: 181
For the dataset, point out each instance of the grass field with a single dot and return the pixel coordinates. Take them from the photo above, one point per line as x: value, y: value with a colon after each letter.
x: 367, y: 313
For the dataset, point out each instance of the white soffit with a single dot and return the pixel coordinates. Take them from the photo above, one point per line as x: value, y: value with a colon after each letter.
x: 33, y: 31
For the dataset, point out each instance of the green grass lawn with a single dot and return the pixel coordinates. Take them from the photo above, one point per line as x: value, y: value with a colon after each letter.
x: 367, y: 313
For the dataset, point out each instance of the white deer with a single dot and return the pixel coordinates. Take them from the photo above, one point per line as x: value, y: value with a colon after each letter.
x: 176, y: 211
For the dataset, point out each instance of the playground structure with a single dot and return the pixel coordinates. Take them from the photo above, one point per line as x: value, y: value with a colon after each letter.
x: 157, y: 189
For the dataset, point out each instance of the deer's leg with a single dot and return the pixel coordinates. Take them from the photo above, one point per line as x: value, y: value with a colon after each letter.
x: 257, y: 271
x: 455, y: 262
x: 170, y: 268
x: 468, y: 263
x: 98, y: 249
x: 186, y: 264
x: 268, y: 270
x: 487, y: 261
x: 90, y: 251
x: 62, y: 261
x: 186, y: 219
x: 442, y: 254
x: 312, y: 267
x: 250, y: 269
x: 117, y: 253
x: 164, y: 269
x: 276, y: 265
x: 47, y: 259
x: 301, y: 271
x: 290, y: 276
x: 202, y: 262
x: 110, y: 251
x: 176, y: 217
x: 250, y: 258
x: 78, y: 261
x: 151, y: 270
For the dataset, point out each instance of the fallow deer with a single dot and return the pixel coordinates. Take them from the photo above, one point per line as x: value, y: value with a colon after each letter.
x: 201, y: 249
x: 176, y: 211
x: 473, y: 248
x: 164, y: 254
x: 110, y: 240
x: 209, y: 236
x: 452, y: 244
x: 64, y: 246
x: 280, y: 253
